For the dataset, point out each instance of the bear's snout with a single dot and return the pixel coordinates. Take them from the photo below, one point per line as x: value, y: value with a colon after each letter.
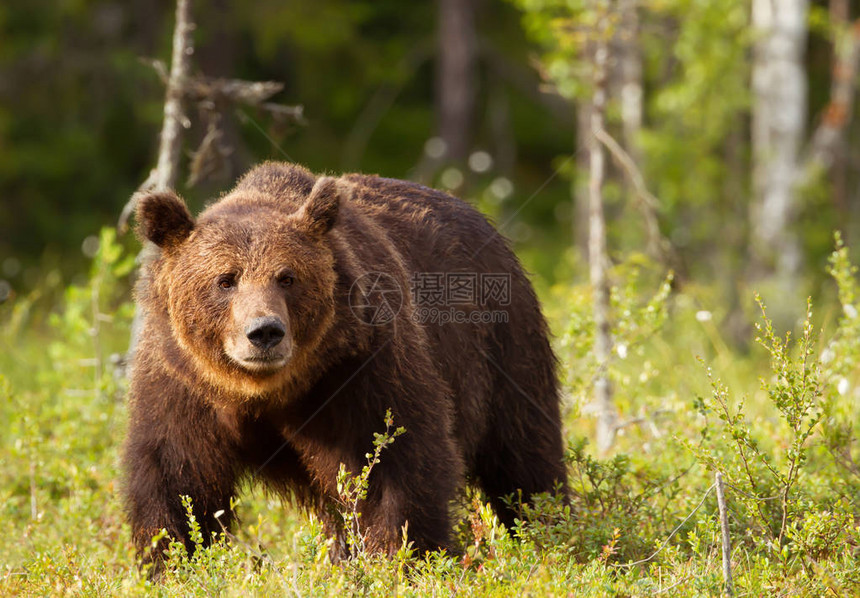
x: 265, y: 333
x: 260, y: 339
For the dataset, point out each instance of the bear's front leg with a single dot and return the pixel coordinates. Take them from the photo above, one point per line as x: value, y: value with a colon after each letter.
x: 411, y: 488
x: 378, y: 523
x: 182, y: 452
x: 390, y: 512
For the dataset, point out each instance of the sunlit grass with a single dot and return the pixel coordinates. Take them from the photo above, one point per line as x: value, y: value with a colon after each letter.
x: 62, y: 419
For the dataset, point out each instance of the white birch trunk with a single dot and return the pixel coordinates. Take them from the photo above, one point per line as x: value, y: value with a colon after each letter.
x: 630, y: 67
x: 778, y: 116
x: 605, y: 410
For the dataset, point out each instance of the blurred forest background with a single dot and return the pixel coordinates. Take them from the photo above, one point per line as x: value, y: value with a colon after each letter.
x: 739, y: 123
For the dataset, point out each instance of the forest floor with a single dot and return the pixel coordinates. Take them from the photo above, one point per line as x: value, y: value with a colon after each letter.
x: 779, y: 420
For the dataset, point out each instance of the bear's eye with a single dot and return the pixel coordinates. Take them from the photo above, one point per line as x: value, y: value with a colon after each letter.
x: 226, y: 281
x: 286, y: 280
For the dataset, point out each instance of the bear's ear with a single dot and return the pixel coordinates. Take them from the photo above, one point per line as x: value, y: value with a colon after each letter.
x: 163, y: 218
x: 319, y: 212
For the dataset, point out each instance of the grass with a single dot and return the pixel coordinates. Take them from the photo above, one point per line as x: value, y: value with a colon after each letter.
x: 780, y: 421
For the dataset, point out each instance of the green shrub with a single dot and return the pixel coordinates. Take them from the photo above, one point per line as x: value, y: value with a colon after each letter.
x: 639, y: 522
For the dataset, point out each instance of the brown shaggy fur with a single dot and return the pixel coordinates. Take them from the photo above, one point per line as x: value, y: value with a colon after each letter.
x: 478, y: 401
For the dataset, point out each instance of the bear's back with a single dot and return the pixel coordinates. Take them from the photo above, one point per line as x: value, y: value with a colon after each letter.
x: 428, y: 227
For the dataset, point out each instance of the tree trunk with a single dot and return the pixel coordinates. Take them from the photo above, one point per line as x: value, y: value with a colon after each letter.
x: 778, y: 115
x: 598, y: 260
x: 166, y: 172
x: 456, y: 77
x: 580, y: 184
x: 170, y: 148
x: 630, y: 71
x: 842, y: 83
x: 827, y: 149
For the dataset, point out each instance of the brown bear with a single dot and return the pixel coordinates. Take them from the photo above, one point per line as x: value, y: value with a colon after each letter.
x: 281, y: 325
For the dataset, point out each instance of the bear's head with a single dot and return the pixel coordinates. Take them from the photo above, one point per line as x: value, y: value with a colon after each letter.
x: 249, y: 286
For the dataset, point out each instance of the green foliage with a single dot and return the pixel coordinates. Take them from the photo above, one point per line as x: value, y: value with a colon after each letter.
x: 563, y: 28
x: 70, y: 147
x: 767, y: 477
x: 789, y: 495
x: 609, y: 517
x: 62, y: 421
x: 88, y: 311
x: 638, y: 315
x: 695, y: 155
x: 840, y: 364
x: 638, y: 522
x: 842, y: 354
x: 352, y: 489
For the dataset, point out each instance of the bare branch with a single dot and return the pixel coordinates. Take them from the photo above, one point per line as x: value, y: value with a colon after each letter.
x: 159, y: 67
x: 235, y: 90
x: 671, y: 535
x: 626, y: 161
x: 280, y: 111
x: 211, y: 156
x: 726, y: 541
x: 648, y: 204
x: 201, y: 89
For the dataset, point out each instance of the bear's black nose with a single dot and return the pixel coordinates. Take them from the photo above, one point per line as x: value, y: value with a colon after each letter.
x: 265, y: 333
